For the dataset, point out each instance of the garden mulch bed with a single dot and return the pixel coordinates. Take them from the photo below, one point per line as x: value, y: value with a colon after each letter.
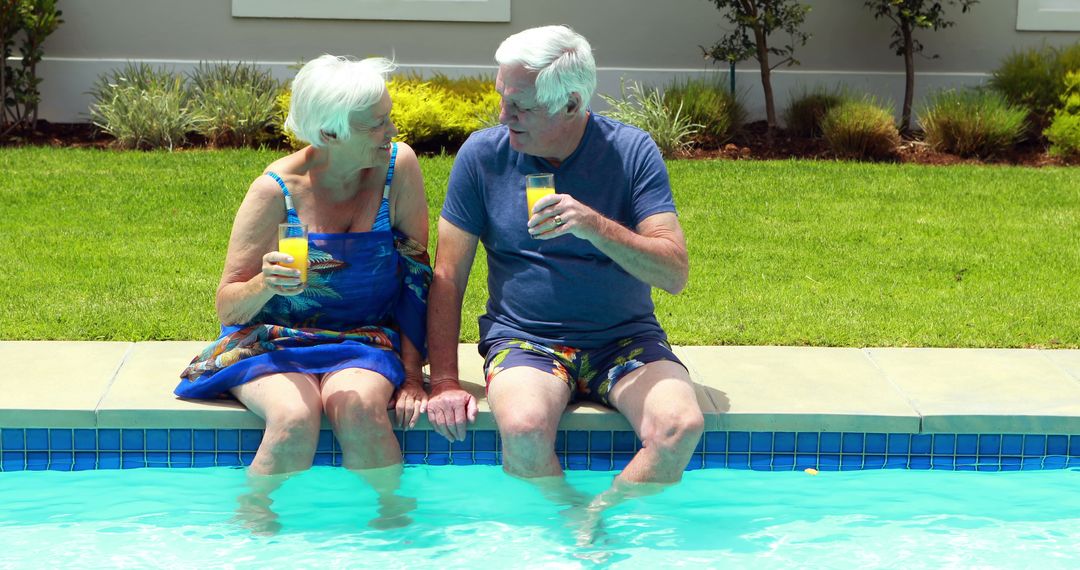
x: 752, y: 143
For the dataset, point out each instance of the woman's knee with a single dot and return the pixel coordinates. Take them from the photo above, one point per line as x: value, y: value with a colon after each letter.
x: 352, y: 411
x: 295, y: 422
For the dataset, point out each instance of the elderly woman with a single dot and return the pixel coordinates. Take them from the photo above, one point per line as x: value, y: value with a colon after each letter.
x: 350, y: 340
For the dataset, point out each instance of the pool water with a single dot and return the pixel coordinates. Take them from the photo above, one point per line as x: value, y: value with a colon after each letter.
x: 183, y: 518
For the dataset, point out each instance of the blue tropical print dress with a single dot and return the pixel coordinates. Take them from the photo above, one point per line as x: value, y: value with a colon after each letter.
x: 364, y: 289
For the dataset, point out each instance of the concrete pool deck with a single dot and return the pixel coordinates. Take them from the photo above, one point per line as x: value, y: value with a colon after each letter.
x: 792, y: 389
x: 59, y: 384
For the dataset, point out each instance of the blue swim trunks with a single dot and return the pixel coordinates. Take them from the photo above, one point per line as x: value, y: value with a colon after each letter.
x: 590, y: 374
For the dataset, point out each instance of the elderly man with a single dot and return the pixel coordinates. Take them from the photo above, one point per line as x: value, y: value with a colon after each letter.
x: 569, y: 315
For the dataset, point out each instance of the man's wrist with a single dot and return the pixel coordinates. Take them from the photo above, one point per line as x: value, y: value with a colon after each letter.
x: 441, y: 383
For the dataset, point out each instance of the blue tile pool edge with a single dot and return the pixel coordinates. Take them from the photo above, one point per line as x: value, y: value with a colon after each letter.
x: 76, y: 449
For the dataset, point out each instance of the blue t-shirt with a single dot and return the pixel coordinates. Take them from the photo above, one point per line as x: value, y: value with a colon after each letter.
x: 564, y: 290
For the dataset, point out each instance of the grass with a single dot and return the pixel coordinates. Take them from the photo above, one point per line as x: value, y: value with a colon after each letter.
x: 129, y: 246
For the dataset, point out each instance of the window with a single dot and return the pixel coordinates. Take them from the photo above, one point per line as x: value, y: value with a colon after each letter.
x: 1048, y: 15
x: 438, y: 10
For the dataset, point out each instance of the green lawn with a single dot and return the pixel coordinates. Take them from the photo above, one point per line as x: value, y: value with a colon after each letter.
x: 128, y: 246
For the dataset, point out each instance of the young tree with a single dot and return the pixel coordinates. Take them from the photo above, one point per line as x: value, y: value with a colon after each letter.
x: 907, y: 16
x: 31, y: 21
x: 754, y: 21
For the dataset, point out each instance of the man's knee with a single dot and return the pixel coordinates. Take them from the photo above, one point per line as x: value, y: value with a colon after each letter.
x: 527, y: 426
x: 676, y: 431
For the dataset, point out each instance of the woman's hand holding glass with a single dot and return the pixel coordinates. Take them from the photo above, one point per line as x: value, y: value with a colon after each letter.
x: 279, y: 278
x: 285, y: 270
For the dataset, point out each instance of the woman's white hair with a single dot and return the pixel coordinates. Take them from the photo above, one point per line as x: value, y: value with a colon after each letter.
x: 327, y: 89
x: 563, y: 59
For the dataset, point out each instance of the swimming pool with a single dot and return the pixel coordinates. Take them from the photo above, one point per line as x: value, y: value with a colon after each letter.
x: 181, y: 518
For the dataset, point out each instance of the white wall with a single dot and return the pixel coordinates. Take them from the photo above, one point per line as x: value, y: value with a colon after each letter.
x: 649, y: 40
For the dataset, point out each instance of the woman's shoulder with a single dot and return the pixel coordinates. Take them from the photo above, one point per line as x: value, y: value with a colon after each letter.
x: 294, y: 164
x: 405, y: 155
x: 292, y: 169
x: 406, y: 166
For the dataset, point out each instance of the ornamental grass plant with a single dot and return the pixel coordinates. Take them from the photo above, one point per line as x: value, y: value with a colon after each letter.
x: 236, y: 103
x: 861, y: 129
x: 144, y: 107
x: 972, y: 123
x: 643, y: 107
x: 808, y: 108
x: 708, y: 103
x: 1034, y: 79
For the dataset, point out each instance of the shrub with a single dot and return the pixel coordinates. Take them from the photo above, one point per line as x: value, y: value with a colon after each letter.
x: 1064, y: 131
x: 235, y: 102
x: 281, y: 112
x: 861, y: 129
x: 1064, y: 136
x: 419, y: 108
x: 473, y: 88
x: 971, y: 123
x: 432, y: 111
x: 804, y: 115
x: 1034, y: 78
x: 644, y: 108
x: 707, y: 103
x: 441, y: 109
x: 143, y: 107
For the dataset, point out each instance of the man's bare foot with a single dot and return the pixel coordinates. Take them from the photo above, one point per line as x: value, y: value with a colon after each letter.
x: 254, y: 514
x: 393, y: 512
x: 587, y: 524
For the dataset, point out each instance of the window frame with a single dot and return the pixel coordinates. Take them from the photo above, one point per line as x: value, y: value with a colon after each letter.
x: 409, y: 10
x: 1048, y: 15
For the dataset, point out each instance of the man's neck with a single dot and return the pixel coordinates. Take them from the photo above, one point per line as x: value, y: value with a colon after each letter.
x: 575, y: 132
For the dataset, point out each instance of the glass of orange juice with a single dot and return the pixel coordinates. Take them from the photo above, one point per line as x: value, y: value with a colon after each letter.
x: 293, y: 240
x: 537, y: 186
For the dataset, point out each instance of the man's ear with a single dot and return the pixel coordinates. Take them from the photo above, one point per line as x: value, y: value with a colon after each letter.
x: 572, y: 106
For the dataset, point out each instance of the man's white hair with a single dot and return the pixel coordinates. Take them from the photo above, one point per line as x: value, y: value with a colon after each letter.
x: 563, y: 59
x: 328, y: 89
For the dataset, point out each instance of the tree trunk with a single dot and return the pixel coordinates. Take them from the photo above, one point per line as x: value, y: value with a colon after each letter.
x: 766, y: 76
x: 37, y: 99
x: 909, y: 80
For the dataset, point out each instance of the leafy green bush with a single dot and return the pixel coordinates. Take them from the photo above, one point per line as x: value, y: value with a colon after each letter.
x: 473, y: 88
x: 143, y: 107
x: 1064, y: 131
x: 281, y: 112
x: 1034, y: 79
x: 804, y: 115
x: 441, y: 109
x: 235, y: 102
x: 971, y: 123
x: 419, y: 108
x: 644, y: 108
x: 861, y: 129
x: 434, y: 111
x: 1064, y: 136
x: 707, y: 102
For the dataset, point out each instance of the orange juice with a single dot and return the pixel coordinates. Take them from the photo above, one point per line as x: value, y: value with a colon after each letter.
x: 533, y: 195
x: 297, y: 247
